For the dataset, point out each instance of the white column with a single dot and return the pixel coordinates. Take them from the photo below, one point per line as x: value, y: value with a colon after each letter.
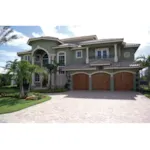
x: 87, y: 55
x: 116, y: 55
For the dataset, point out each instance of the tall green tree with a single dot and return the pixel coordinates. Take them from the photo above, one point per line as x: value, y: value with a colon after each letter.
x: 22, y: 71
x: 7, y: 34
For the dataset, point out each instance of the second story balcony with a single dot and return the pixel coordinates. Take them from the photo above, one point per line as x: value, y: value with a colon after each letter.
x: 107, y: 57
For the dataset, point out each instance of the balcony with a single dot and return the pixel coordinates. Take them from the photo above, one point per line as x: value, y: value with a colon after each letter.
x: 108, y: 57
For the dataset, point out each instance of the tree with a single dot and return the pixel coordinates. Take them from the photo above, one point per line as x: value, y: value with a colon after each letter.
x: 145, y: 62
x: 7, y: 34
x: 52, y: 68
x: 22, y: 71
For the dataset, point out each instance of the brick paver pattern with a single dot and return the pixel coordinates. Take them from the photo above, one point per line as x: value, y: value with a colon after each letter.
x: 86, y: 107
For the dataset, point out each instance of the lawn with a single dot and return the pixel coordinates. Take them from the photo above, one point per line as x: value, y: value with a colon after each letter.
x: 11, y: 103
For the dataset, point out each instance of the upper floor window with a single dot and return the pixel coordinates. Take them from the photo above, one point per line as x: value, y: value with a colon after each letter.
x: 102, y: 53
x: 79, y: 54
x: 61, y: 58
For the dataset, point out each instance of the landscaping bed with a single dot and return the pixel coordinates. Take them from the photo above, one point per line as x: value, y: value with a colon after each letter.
x: 10, y: 101
x: 57, y: 90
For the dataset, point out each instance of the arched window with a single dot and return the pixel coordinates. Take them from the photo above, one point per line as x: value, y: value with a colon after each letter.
x: 61, y: 58
x: 45, y: 59
x: 37, y: 77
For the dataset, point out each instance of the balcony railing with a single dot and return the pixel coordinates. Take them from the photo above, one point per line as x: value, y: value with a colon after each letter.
x: 98, y: 57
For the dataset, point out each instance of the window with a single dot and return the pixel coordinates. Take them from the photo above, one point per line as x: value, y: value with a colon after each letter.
x: 79, y: 54
x: 99, y: 54
x: 37, y: 77
x: 45, y: 59
x: 27, y: 57
x: 61, y: 58
x: 102, y: 53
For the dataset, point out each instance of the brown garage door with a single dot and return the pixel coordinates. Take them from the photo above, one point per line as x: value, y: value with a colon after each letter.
x: 123, y: 81
x: 101, y: 81
x: 80, y: 81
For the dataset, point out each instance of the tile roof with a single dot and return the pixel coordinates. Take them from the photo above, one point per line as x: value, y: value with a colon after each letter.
x: 102, y: 41
x: 88, y: 37
x: 78, y: 67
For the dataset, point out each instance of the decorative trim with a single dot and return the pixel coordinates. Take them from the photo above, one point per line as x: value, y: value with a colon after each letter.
x: 79, y: 69
x: 44, y: 38
x: 124, y: 71
x: 102, y: 49
x: 58, y: 56
x: 101, y: 72
x: 122, y: 68
x: 78, y: 73
x: 77, y: 53
x: 99, y: 64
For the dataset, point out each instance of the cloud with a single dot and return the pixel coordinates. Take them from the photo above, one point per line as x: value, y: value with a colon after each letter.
x: 2, y: 70
x: 37, y: 34
x: 51, y: 31
x: 21, y: 42
x: 7, y: 56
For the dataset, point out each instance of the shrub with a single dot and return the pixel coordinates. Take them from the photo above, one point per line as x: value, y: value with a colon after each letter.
x: 33, y: 97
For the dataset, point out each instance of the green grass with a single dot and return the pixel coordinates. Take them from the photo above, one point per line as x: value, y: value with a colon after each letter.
x: 10, y: 104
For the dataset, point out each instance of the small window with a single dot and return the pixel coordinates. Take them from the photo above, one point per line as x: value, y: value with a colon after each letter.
x: 37, y: 77
x: 78, y: 54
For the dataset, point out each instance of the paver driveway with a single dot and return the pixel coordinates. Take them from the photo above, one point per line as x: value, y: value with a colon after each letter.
x: 85, y: 106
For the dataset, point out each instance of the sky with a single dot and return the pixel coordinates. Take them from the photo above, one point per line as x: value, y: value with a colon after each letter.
x: 128, y: 19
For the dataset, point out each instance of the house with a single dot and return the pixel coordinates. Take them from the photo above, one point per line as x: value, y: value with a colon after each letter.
x: 89, y: 62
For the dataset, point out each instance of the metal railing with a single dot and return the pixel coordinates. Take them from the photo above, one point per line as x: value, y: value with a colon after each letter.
x: 101, y: 57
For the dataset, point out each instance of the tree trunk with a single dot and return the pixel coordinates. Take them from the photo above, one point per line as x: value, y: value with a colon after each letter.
x: 22, y: 94
x: 50, y: 81
x: 55, y: 78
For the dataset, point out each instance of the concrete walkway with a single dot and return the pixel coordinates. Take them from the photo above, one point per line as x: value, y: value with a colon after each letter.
x: 86, y: 107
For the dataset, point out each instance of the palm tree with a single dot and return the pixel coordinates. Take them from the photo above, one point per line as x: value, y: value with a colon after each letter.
x: 52, y: 68
x: 22, y: 71
x: 145, y: 62
x: 7, y: 34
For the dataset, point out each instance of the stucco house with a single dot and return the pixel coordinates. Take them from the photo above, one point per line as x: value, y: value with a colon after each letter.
x: 89, y: 62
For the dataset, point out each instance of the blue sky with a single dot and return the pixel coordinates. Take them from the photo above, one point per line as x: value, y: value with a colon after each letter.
x: 9, y: 50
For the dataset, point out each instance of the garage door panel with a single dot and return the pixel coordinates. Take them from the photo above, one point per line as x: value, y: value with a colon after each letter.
x: 80, y: 81
x: 100, y: 81
x: 123, y: 81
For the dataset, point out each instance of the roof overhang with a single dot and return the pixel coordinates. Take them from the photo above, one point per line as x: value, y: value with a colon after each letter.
x: 23, y: 53
x: 44, y: 38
